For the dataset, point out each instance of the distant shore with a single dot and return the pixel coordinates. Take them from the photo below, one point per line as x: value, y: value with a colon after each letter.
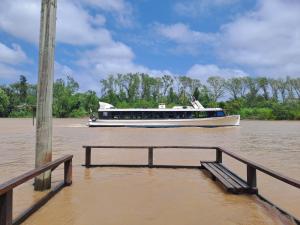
x: 258, y: 98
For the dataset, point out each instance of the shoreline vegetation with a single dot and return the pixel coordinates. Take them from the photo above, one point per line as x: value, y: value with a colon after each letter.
x: 254, y: 98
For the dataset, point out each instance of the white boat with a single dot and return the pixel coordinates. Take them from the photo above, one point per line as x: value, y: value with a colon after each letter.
x: 178, y: 116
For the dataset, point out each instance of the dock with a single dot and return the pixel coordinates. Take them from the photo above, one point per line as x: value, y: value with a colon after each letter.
x: 216, y: 169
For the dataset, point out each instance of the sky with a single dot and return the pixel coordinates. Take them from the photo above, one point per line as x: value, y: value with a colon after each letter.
x: 198, y: 38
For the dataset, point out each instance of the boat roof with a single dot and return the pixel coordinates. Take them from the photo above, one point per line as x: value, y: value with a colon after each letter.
x: 160, y: 110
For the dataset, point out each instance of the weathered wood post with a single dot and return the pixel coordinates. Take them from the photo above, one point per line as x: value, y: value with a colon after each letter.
x: 218, y: 155
x: 43, y: 148
x: 150, y: 156
x: 87, y: 156
x: 68, y: 172
x: 6, y: 201
x: 251, y: 176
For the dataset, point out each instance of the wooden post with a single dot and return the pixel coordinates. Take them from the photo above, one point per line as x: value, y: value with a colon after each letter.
x: 6, y: 201
x: 87, y: 156
x: 218, y: 155
x: 68, y: 172
x: 251, y: 176
x: 43, y: 148
x: 150, y: 156
x: 32, y: 109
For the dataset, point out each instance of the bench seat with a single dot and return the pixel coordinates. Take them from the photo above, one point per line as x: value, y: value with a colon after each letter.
x: 230, y: 181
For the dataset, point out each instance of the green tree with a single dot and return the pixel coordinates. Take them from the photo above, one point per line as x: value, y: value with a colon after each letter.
x: 263, y: 83
x: 253, y: 87
x: 23, y: 87
x: 296, y: 86
x: 65, y: 100
x: 167, y: 83
x: 216, y: 87
x: 4, y: 102
x: 235, y: 87
x: 90, y: 101
x: 274, y: 84
x: 282, y: 89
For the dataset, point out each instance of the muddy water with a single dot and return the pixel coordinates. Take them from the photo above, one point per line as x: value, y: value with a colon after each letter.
x: 157, y: 196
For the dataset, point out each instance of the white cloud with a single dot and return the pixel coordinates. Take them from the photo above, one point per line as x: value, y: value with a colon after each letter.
x: 108, y: 59
x: 187, y: 40
x: 8, y: 72
x: 20, y: 18
x: 14, y: 55
x: 202, y: 72
x: 117, y: 58
x: 62, y: 71
x: 181, y: 33
x: 10, y: 58
x: 119, y: 6
x: 266, y: 40
x: 98, y: 20
x: 74, y: 26
x: 121, y: 9
x: 194, y: 8
x: 74, y: 23
x: 77, y: 25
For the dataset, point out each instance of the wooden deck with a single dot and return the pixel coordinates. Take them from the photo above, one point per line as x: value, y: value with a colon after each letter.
x: 216, y: 169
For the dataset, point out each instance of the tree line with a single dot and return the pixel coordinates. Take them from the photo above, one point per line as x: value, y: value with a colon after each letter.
x: 251, y: 97
x: 19, y: 99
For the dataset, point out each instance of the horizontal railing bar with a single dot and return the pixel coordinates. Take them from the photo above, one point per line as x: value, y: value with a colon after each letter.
x: 9, y: 185
x: 263, y: 199
x: 154, y: 146
x: 146, y: 166
x: 272, y: 173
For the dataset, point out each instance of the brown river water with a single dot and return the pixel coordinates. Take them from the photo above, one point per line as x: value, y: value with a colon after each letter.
x: 121, y: 196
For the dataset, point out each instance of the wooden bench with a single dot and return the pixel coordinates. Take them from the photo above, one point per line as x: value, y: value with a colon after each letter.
x: 230, y: 181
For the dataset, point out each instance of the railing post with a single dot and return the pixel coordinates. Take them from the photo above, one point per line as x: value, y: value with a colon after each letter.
x: 218, y: 155
x: 251, y: 176
x: 6, y: 202
x: 68, y: 172
x: 150, y: 156
x: 87, y: 156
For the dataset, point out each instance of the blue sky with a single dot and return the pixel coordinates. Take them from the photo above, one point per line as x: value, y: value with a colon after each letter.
x: 199, y: 38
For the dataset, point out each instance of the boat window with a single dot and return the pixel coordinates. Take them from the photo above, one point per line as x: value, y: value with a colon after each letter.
x: 198, y: 114
x: 220, y: 113
x: 211, y: 114
x: 147, y: 115
x: 139, y: 115
x: 126, y: 115
x: 189, y: 115
x: 215, y: 114
x: 104, y: 115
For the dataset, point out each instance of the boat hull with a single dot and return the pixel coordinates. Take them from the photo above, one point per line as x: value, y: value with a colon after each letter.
x: 233, y: 120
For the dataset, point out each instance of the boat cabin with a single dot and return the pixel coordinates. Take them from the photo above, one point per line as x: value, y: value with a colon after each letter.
x: 158, y: 114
